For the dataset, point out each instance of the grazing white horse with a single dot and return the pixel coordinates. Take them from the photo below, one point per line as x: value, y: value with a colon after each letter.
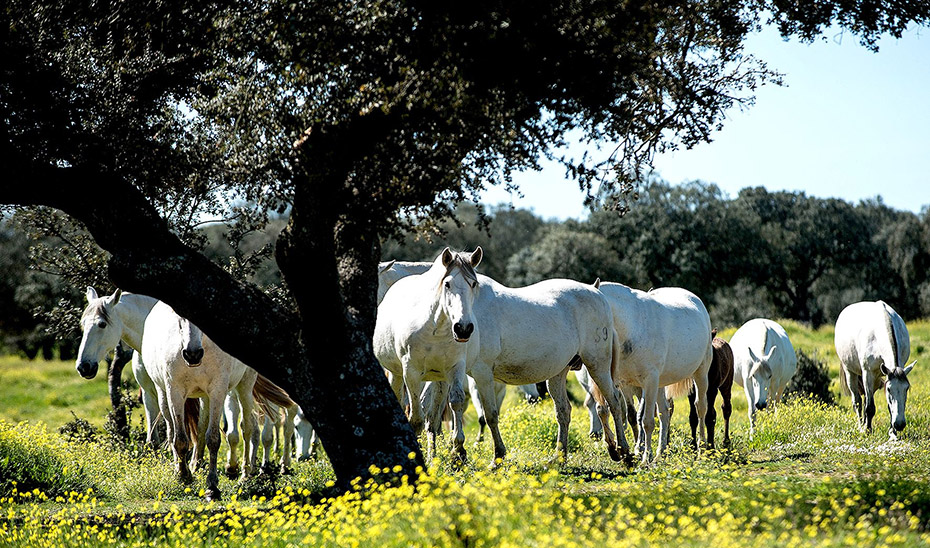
x: 665, y: 340
x: 872, y: 341
x: 305, y: 437
x: 107, y: 320
x: 425, y: 331
x: 763, y: 363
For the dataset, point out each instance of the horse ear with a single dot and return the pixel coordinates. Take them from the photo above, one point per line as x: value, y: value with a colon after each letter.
x: 885, y: 371
x: 713, y: 333
x: 91, y: 293
x: 908, y: 368
x: 597, y: 283
x: 476, y: 257
x: 447, y: 257
x: 770, y: 353
x: 752, y: 355
x: 384, y: 267
x: 116, y: 295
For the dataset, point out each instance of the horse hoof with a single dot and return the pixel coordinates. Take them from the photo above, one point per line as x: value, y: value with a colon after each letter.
x: 304, y: 459
x: 213, y: 494
x: 232, y: 472
x: 596, y: 436
x: 287, y: 471
x: 614, y: 454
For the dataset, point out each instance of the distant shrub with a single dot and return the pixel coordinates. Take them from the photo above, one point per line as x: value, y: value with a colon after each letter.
x: 812, y: 378
x: 78, y: 430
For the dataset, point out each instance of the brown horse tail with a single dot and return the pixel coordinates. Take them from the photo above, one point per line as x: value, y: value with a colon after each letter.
x: 192, y: 417
x: 265, y: 390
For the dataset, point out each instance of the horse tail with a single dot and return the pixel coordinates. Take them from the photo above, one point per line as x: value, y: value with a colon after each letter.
x: 192, y: 417
x: 844, y: 384
x: 265, y: 390
x: 680, y: 388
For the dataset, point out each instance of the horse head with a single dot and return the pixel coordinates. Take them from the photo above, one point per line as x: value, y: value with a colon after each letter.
x: 896, y: 387
x: 760, y: 379
x: 102, y: 330
x: 457, y: 291
x: 191, y: 342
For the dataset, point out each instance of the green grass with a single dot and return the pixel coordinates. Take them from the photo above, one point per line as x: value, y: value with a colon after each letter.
x: 808, y: 477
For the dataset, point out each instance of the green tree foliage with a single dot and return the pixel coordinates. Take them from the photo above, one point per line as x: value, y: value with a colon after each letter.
x: 565, y: 252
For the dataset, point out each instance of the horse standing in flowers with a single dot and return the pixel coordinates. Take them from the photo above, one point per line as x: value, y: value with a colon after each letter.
x: 763, y: 363
x: 426, y: 331
x: 872, y: 341
x: 184, y: 363
x: 665, y: 341
x: 719, y: 378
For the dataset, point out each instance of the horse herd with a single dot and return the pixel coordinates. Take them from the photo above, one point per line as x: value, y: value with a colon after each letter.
x: 443, y: 328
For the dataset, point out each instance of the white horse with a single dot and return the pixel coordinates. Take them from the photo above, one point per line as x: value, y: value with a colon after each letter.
x: 872, y: 341
x: 535, y: 333
x: 763, y: 363
x: 425, y: 331
x: 391, y: 271
x: 665, y: 340
x: 107, y: 320
x: 168, y: 342
x: 104, y: 322
x: 305, y: 437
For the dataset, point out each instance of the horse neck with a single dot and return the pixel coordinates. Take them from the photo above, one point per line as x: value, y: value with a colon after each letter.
x: 132, y: 310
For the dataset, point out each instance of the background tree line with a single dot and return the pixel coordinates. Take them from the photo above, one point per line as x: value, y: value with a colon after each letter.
x: 774, y: 254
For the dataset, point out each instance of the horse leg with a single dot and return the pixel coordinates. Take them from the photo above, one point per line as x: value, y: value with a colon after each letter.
x: 250, y: 432
x: 267, y: 435
x: 665, y: 419
x: 458, y: 401
x: 287, y: 435
x: 476, y: 401
x: 200, y: 441
x: 414, y: 384
x: 231, y: 416
x: 180, y: 441
x: 563, y: 411
x: 700, y: 397
x: 215, y: 408
x: 711, y: 418
x: 692, y: 420
x: 484, y: 381
x: 595, y: 429
x: 435, y: 396
x: 640, y: 431
x: 726, y: 393
x: 751, y: 411
x: 611, y: 402
x: 153, y: 416
x: 648, y: 416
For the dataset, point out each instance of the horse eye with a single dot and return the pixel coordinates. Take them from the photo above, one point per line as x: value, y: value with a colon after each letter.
x: 102, y: 324
x: 474, y: 285
x: 448, y: 285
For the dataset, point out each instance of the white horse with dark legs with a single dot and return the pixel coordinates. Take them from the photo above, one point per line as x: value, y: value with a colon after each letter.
x: 872, y: 341
x: 665, y: 340
x: 763, y: 363
x: 425, y: 331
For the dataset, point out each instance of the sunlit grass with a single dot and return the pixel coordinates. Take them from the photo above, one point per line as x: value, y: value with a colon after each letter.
x: 808, y: 477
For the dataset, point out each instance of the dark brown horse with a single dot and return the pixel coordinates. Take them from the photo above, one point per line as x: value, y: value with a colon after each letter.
x: 719, y: 378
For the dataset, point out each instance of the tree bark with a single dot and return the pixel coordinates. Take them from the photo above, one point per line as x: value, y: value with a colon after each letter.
x: 322, y: 356
x: 121, y: 357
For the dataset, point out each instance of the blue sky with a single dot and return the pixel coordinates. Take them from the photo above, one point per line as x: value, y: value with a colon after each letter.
x: 849, y: 123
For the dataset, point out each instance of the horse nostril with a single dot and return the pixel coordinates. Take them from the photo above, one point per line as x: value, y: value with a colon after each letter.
x: 899, y: 425
x: 87, y: 370
x: 462, y: 331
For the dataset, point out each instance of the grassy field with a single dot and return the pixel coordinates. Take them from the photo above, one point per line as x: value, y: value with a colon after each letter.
x: 809, y: 477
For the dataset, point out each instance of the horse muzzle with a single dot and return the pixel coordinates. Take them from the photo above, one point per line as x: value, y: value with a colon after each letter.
x: 88, y: 370
x: 192, y: 357
x: 899, y: 425
x: 462, y: 332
